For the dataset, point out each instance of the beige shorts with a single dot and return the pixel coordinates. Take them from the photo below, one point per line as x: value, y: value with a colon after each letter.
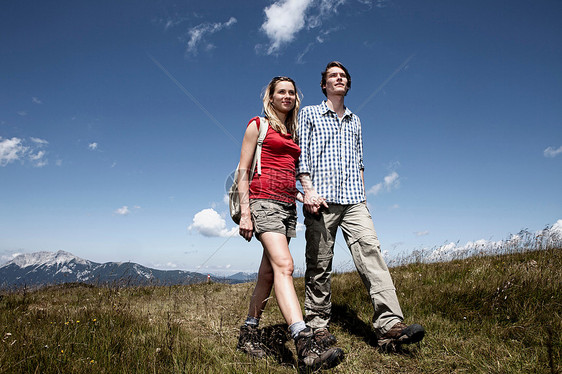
x: 274, y: 216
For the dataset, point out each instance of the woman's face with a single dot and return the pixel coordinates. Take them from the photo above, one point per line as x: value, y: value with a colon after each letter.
x: 284, y: 97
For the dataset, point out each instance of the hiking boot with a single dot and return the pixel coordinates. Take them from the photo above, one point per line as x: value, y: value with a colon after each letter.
x: 323, y: 337
x: 250, y: 341
x: 401, y: 333
x: 312, y: 357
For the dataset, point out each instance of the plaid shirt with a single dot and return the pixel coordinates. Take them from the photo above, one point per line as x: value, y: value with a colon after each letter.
x: 332, y: 153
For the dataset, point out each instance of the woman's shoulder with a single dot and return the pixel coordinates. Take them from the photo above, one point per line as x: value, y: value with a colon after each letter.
x: 258, y: 120
x: 254, y: 119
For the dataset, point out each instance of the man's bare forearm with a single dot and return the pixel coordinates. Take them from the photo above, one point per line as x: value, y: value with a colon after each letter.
x: 306, y: 183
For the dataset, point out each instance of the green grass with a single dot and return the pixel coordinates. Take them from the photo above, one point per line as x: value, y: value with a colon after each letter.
x: 483, y: 314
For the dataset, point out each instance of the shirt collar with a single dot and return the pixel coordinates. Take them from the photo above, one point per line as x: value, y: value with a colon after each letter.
x: 325, y: 109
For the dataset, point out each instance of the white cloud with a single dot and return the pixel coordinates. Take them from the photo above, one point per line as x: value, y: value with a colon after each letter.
x: 173, y: 22
x: 11, y: 150
x: 36, y: 100
x: 390, y: 182
x: 551, y: 152
x: 38, y: 141
x: 15, y: 149
x: 283, y: 20
x: 300, y: 227
x: 376, y: 3
x: 325, y: 9
x: 93, y: 146
x: 209, y: 223
x: 198, y: 34
x: 123, y: 211
x: 22, y: 113
x: 375, y: 189
x: 38, y: 159
x: 421, y: 233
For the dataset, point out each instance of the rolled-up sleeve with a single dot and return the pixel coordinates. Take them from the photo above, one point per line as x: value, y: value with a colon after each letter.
x: 360, y: 146
x: 304, y: 132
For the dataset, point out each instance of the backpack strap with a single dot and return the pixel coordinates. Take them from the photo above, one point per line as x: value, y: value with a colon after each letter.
x: 261, y: 136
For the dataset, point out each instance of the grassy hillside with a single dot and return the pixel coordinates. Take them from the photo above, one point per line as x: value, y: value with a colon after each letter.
x: 494, y: 314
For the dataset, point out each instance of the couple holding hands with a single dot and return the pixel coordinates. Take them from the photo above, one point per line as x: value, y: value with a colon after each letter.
x: 321, y: 146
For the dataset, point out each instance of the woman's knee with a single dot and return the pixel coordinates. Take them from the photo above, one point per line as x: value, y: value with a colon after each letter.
x: 285, y: 266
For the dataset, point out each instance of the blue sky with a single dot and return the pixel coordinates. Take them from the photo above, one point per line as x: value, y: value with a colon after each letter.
x: 121, y: 121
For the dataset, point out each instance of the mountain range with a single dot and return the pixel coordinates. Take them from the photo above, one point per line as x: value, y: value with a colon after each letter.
x: 47, y: 268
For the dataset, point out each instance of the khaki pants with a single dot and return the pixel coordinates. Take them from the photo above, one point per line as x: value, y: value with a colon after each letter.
x: 361, y: 238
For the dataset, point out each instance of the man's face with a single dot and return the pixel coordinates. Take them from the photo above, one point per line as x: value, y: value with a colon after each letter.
x: 336, y: 82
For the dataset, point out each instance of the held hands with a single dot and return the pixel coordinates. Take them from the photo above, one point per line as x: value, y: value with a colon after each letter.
x: 313, y: 202
x: 246, y: 228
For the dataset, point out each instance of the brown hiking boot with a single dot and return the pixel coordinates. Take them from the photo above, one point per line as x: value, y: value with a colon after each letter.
x: 401, y: 333
x: 250, y: 341
x: 312, y: 357
x: 323, y: 337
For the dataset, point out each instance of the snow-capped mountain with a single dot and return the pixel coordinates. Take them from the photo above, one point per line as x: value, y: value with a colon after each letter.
x: 47, y: 258
x: 44, y: 268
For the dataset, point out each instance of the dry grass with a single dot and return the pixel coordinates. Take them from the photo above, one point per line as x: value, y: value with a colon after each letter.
x: 484, y: 314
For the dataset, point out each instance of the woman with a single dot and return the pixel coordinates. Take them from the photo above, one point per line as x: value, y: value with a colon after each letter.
x: 268, y: 211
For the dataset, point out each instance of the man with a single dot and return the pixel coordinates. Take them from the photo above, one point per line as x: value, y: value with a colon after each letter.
x: 331, y: 173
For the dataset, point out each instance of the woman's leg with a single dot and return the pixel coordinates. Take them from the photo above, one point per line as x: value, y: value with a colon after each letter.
x: 249, y: 340
x: 262, y: 289
x: 276, y: 248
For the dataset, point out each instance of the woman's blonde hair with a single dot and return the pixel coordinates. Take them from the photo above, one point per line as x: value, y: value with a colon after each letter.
x: 269, y: 111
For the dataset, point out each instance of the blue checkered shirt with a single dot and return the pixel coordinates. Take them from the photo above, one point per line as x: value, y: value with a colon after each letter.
x: 332, y: 153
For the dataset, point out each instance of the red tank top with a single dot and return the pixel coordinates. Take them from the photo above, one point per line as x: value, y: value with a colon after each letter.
x: 279, y: 157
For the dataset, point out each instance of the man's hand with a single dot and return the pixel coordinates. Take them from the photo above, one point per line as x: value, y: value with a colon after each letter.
x: 314, y: 202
